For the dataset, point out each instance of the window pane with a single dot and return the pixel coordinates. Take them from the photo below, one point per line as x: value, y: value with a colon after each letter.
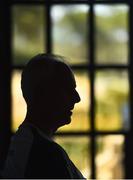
x: 80, y: 118
x: 112, y: 106
x: 70, y: 32
x: 110, y: 156
x: 18, y: 103
x: 78, y: 151
x: 28, y: 32
x: 111, y: 33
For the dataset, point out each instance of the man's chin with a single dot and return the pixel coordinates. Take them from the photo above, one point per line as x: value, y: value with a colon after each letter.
x: 66, y: 121
x: 62, y: 122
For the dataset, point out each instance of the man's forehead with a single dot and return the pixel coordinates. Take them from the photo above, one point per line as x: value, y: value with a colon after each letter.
x: 73, y: 80
x: 65, y: 78
x: 58, y: 74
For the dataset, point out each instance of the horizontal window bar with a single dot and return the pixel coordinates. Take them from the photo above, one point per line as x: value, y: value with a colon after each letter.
x: 84, y: 67
x: 80, y: 133
x: 69, y: 2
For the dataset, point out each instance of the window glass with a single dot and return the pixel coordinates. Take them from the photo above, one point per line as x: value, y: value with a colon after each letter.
x: 80, y: 118
x: 70, y: 30
x: 18, y: 103
x: 78, y: 151
x: 110, y: 157
x: 111, y: 34
x: 112, y: 100
x: 28, y: 32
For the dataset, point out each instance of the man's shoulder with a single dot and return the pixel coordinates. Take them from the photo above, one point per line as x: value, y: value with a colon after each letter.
x: 39, y: 145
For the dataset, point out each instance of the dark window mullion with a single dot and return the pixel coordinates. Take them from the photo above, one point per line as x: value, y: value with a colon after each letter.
x: 131, y: 62
x: 92, y: 77
x: 111, y: 2
x: 5, y: 79
x: 85, y: 133
x: 128, y: 138
x: 48, y: 28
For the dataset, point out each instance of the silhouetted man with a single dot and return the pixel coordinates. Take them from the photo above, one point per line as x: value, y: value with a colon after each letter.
x: 48, y: 87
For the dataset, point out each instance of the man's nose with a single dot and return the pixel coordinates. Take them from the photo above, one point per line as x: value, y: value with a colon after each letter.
x: 77, y: 97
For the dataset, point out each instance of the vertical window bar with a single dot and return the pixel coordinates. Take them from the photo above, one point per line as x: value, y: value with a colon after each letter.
x: 5, y: 74
x: 128, y: 139
x: 48, y: 28
x: 92, y: 107
x: 131, y: 62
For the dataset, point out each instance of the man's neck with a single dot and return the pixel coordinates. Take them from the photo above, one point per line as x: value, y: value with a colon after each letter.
x: 44, y: 127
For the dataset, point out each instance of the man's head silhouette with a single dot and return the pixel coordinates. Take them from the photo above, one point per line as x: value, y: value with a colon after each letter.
x: 48, y: 87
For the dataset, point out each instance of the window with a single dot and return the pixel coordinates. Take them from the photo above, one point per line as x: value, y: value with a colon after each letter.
x: 95, y: 36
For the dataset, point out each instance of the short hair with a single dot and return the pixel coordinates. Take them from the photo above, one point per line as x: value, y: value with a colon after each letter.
x: 43, y: 70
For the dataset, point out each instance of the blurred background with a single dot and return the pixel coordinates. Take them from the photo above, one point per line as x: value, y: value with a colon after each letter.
x: 95, y: 37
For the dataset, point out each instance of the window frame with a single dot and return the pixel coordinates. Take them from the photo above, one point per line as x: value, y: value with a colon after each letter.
x: 7, y: 67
